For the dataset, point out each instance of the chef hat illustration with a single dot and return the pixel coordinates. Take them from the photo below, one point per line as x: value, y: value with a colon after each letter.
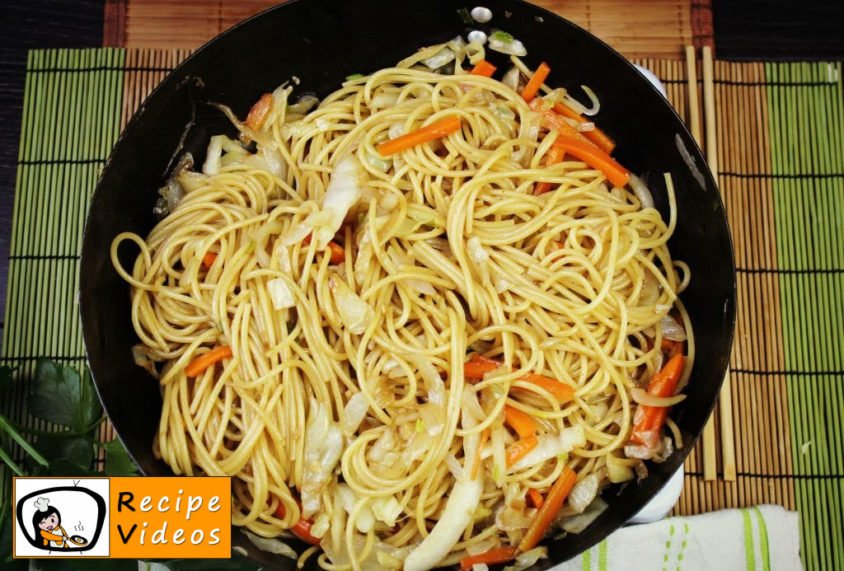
x: 41, y: 504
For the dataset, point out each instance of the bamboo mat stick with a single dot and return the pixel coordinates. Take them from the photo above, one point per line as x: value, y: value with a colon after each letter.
x: 725, y: 399
x: 709, y: 457
x: 694, y: 103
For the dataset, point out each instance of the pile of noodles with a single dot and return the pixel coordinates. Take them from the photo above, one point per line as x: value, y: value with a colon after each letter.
x: 344, y: 402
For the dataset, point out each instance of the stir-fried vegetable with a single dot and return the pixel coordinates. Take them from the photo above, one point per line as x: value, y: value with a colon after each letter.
x: 491, y: 557
x: 258, y: 112
x: 648, y: 420
x: 343, y: 192
x: 598, y: 137
x: 483, y: 68
x: 354, y: 312
x: 271, y: 545
x: 475, y: 369
x: 524, y: 424
x: 551, y: 445
x: 280, y: 294
x: 302, y: 530
x: 552, y: 120
x: 335, y: 251
x: 535, y: 498
x: 548, y: 512
x: 535, y: 82
x: 198, y: 365
x: 324, y: 445
x: 595, y: 158
x: 458, y: 513
x: 478, y: 366
x: 476, y: 462
x: 520, y: 449
x: 554, y: 156
x: 432, y: 132
x: 208, y: 260
x: 561, y: 391
x: 505, y: 43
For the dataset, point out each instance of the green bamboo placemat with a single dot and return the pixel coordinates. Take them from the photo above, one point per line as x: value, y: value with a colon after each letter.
x: 780, y: 147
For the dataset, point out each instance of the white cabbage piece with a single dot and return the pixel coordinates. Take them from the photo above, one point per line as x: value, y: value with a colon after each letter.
x: 323, y: 447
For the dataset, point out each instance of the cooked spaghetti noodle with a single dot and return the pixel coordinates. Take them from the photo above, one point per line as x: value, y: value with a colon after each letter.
x: 395, y: 354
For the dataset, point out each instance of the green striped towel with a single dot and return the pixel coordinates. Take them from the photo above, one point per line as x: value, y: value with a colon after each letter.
x: 750, y: 539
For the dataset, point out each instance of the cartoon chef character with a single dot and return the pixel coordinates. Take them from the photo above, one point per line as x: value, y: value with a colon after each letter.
x: 47, y: 522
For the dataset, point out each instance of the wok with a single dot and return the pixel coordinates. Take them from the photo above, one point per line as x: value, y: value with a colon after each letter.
x: 322, y: 42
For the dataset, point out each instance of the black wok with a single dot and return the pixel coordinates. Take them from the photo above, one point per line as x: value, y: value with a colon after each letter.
x: 321, y: 42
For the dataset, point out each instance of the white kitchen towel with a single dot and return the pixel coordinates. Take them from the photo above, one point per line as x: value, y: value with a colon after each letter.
x: 750, y: 539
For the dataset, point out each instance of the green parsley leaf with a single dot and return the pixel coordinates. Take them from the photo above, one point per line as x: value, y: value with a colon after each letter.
x: 117, y: 460
x: 59, y: 395
x: 71, y: 456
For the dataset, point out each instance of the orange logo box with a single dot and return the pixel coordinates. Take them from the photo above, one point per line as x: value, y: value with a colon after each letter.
x: 170, y: 518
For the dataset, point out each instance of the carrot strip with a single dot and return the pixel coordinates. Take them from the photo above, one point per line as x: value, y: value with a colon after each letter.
x: 554, y: 156
x: 436, y: 130
x: 535, y: 82
x: 598, y: 137
x: 648, y: 420
x: 476, y: 462
x: 595, y: 158
x: 483, y: 68
x: 491, y: 557
x: 561, y: 391
x: 478, y: 366
x: 302, y: 530
x: 337, y: 253
x: 520, y: 449
x: 524, y: 424
x: 535, y: 498
x: 551, y: 120
x: 478, y: 358
x: 258, y: 112
x: 548, y: 512
x: 280, y: 510
x: 198, y: 365
x: 208, y: 259
x: 475, y: 370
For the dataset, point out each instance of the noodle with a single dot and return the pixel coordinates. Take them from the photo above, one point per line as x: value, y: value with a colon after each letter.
x: 446, y: 252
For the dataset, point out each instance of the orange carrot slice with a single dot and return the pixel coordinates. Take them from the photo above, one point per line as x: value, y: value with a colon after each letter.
x: 535, y: 498
x: 560, y: 391
x: 432, y: 132
x: 648, y: 420
x: 208, y: 259
x: 524, y: 424
x: 483, y: 68
x: 548, y: 512
x: 598, y: 137
x: 554, y: 156
x: 491, y: 557
x: 520, y: 449
x: 198, y: 365
x: 595, y: 158
x: 535, y: 82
